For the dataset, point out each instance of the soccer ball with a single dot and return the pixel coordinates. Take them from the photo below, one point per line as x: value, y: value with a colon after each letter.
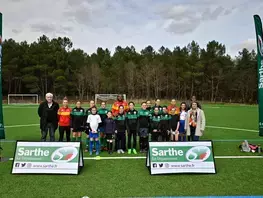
x: 85, y: 197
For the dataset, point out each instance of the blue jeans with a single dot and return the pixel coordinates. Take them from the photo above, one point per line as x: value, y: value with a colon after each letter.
x: 51, y: 129
x: 192, y: 136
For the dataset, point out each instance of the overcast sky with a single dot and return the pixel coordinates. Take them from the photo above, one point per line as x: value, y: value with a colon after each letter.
x: 108, y: 23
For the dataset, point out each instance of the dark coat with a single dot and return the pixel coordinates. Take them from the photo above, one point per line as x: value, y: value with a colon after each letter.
x: 44, y: 112
x: 109, y: 125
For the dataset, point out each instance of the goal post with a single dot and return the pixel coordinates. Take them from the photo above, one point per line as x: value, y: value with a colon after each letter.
x: 108, y: 98
x: 22, y: 99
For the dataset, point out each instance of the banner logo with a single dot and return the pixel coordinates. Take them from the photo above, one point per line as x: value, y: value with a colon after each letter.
x: 64, y: 154
x: 260, y: 45
x: 198, y: 154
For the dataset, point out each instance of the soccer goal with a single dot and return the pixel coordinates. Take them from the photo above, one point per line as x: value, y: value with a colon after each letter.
x: 22, y: 99
x: 109, y: 98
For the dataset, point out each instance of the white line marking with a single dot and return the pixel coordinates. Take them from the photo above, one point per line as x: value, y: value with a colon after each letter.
x: 220, y: 140
x: 141, y: 157
x: 213, y: 127
x: 109, y: 158
x: 22, y: 125
x: 235, y: 129
x: 238, y: 157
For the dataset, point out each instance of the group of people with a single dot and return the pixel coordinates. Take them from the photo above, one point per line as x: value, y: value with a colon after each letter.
x: 104, y: 127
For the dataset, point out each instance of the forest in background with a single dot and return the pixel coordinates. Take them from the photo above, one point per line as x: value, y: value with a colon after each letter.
x: 53, y: 65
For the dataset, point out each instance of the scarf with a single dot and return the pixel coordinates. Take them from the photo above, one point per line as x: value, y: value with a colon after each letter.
x: 193, y: 118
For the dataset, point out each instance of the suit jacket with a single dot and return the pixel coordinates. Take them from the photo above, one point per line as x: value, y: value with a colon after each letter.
x: 43, y: 114
x: 200, y: 124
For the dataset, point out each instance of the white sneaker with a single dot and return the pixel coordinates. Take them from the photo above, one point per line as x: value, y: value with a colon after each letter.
x: 119, y: 151
x: 122, y: 151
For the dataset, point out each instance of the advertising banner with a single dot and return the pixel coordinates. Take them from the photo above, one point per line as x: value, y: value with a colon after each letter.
x: 180, y: 157
x: 47, y: 158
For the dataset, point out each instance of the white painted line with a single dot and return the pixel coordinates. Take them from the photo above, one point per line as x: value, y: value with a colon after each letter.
x: 235, y: 129
x: 216, y: 140
x: 20, y: 107
x: 142, y: 157
x: 212, y: 127
x: 22, y: 125
x: 238, y: 157
x: 110, y: 158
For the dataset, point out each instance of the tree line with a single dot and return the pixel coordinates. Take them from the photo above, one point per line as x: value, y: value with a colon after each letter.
x: 53, y: 65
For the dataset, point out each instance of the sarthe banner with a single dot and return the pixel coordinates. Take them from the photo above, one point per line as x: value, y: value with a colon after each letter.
x: 47, y: 158
x: 259, y: 35
x: 180, y: 157
x: 2, y: 128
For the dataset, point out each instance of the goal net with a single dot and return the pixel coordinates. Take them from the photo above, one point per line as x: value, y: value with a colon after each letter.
x: 108, y: 98
x: 22, y: 99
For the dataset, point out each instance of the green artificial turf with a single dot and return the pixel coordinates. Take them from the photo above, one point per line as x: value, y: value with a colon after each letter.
x: 130, y: 178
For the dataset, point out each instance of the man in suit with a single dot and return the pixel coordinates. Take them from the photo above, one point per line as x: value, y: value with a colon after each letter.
x: 47, y: 112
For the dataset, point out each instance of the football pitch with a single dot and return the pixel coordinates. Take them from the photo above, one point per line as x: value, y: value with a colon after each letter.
x: 227, y: 126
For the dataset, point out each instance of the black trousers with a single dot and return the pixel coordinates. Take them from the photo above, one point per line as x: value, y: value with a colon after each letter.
x: 132, y: 135
x: 62, y: 130
x: 192, y: 136
x: 155, y: 136
x: 144, y: 138
x: 165, y: 136
x: 120, y: 141
x: 48, y: 128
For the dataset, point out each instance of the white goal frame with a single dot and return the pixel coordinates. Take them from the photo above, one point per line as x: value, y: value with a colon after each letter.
x: 105, y: 97
x: 22, y: 95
